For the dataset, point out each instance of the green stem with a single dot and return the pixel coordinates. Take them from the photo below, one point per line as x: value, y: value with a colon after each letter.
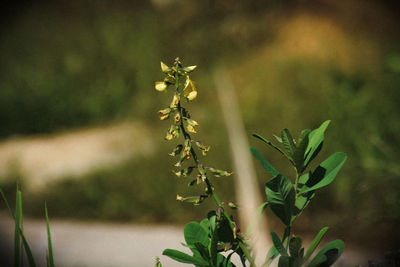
x: 247, y: 254
x: 210, y: 187
x: 296, y: 183
x: 286, y: 236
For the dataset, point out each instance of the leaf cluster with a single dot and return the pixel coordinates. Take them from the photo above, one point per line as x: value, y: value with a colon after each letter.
x: 288, y: 199
x: 207, y: 241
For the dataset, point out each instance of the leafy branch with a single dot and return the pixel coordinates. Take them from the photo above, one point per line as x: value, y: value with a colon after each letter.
x: 219, y: 230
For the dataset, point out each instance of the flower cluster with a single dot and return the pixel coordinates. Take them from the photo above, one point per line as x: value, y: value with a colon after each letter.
x: 182, y: 124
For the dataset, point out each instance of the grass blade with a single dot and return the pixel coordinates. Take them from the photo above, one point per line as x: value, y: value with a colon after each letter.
x: 50, y: 258
x: 17, y: 237
x: 28, y: 251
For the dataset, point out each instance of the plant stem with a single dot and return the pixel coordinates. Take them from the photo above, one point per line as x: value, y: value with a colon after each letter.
x: 210, y: 188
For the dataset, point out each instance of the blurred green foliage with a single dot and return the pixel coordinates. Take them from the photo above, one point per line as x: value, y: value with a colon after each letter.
x: 68, y: 64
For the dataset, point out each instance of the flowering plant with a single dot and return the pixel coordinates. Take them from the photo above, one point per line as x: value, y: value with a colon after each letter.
x: 215, y: 239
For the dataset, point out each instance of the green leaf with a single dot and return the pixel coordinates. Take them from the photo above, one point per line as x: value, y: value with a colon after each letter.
x: 183, y: 257
x: 315, y: 243
x: 285, y: 261
x: 281, y: 196
x: 271, y: 255
x: 202, y: 251
x: 301, y: 203
x: 224, y: 262
x: 278, y: 244
x: 316, y: 137
x: 213, y: 247
x: 299, y: 153
x: 287, y: 141
x: 224, y: 230
x: 329, y: 254
x: 269, y: 143
x: 194, y: 232
x: 295, y: 247
x: 205, y: 223
x: 212, y: 218
x: 325, y: 173
x: 50, y: 258
x: 265, y: 163
x: 278, y: 138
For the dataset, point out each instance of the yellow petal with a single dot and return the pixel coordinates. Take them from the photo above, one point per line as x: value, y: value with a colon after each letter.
x: 175, y: 101
x: 189, y: 90
x: 161, y: 86
x: 164, y: 117
x: 191, y: 129
x: 164, y: 67
x: 192, y: 95
x: 189, y: 69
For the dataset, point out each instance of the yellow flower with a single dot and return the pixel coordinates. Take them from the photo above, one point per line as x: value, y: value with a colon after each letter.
x: 164, y: 67
x: 177, y: 118
x: 164, y: 117
x: 189, y: 68
x: 192, y: 95
x: 191, y: 129
x: 189, y: 90
x: 175, y: 101
x: 161, y: 86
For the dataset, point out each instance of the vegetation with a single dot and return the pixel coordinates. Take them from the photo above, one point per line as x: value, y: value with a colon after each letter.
x: 21, y: 244
x: 219, y: 232
x: 294, y: 63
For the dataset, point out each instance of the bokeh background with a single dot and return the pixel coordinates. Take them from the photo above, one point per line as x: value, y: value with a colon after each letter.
x: 78, y: 110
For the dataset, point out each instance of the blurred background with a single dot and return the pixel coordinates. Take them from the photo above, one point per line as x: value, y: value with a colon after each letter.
x: 78, y: 110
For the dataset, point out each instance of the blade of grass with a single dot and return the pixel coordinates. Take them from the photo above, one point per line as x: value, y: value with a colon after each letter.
x: 28, y: 251
x: 17, y: 236
x: 50, y: 258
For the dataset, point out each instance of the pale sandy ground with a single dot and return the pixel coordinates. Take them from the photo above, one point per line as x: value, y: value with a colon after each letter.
x: 108, y: 245
x: 96, y: 244
x: 41, y: 159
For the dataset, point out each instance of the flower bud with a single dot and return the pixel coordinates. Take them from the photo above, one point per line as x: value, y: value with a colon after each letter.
x: 175, y: 101
x: 204, y: 149
x: 164, y: 68
x: 189, y: 90
x: 192, y: 122
x: 177, y: 118
x: 189, y: 69
x: 190, y: 129
x: 176, y: 150
x: 161, y: 86
x: 187, y: 147
x: 218, y: 173
x: 192, y: 95
x: 232, y: 205
x: 164, y: 117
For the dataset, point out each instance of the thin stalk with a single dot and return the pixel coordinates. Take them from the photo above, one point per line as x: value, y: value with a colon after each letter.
x: 210, y: 188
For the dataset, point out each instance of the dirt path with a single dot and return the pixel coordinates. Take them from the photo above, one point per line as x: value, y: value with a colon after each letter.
x: 107, y: 245
x: 96, y: 244
x: 44, y: 158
